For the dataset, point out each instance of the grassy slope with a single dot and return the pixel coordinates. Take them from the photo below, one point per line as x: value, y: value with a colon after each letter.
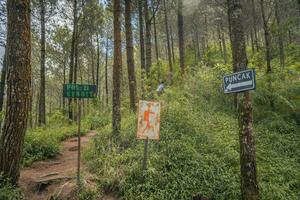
x: 198, y: 154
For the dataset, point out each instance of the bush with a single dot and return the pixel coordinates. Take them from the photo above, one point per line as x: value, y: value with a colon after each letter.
x: 8, y: 191
x: 43, y: 143
x: 198, y: 154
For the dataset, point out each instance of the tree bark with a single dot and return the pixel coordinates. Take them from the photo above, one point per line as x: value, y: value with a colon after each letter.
x: 181, y: 36
x: 268, y: 50
x: 254, y: 21
x: 280, y: 34
x: 98, y: 66
x: 71, y: 72
x: 155, y: 35
x: 172, y: 45
x: 142, y: 44
x: 249, y: 185
x: 18, y: 87
x: 267, y: 37
x: 148, y: 38
x: 130, y: 56
x: 106, y: 72
x: 223, y: 43
x: 42, y: 102
x: 117, y: 70
x: 3, y: 80
x: 64, y: 74
x: 168, y: 43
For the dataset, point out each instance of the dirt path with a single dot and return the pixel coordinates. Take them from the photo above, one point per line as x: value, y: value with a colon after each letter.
x: 54, y: 177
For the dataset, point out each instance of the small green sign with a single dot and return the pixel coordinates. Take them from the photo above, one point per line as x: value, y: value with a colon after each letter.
x: 79, y: 91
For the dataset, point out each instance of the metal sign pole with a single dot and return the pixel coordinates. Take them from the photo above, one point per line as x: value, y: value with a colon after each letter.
x: 79, y: 140
x: 144, y: 167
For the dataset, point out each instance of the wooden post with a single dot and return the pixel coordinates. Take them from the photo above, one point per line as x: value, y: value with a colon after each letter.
x: 144, y: 167
x: 79, y: 140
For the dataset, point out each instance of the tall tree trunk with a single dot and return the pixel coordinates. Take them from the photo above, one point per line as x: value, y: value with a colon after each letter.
x: 156, y: 48
x: 93, y: 66
x: 254, y: 21
x: 117, y: 70
x: 64, y: 74
x: 42, y: 102
x: 249, y: 185
x: 142, y: 44
x: 268, y: 50
x: 181, y: 35
x: 155, y: 35
x: 267, y: 37
x: 220, y: 40
x: 252, y: 41
x: 148, y: 37
x: 168, y: 43
x: 3, y: 80
x: 172, y: 45
x: 106, y: 72
x: 130, y: 56
x: 71, y: 72
x: 18, y: 87
x: 223, y: 43
x: 280, y: 34
x: 98, y: 66
x: 197, y: 43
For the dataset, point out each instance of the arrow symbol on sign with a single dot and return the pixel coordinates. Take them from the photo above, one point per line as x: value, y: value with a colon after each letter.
x: 236, y: 85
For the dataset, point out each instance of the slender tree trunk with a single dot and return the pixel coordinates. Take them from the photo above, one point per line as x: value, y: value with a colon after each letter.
x: 172, y: 45
x: 31, y: 108
x: 181, y: 35
x: 18, y: 87
x: 117, y: 70
x: 156, y: 48
x: 148, y: 37
x: 42, y: 102
x: 168, y: 43
x: 252, y: 41
x: 155, y: 36
x: 64, y: 73
x: 3, y: 80
x: 249, y: 185
x: 223, y: 43
x: 254, y: 21
x: 280, y: 34
x: 130, y: 56
x: 106, y: 72
x: 267, y: 37
x: 142, y: 45
x: 98, y: 66
x: 268, y: 50
x: 37, y: 107
x: 93, y: 66
x: 71, y: 72
x: 197, y: 43
x: 220, y: 40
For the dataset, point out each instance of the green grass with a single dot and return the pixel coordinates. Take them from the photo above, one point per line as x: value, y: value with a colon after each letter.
x: 198, y: 153
x: 44, y: 142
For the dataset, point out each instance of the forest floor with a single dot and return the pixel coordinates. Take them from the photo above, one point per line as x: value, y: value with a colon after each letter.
x: 56, y: 178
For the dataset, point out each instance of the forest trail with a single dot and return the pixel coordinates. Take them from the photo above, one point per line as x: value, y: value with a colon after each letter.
x: 57, y: 176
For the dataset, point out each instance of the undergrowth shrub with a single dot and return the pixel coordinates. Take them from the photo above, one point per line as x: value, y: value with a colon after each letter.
x: 198, y: 152
x: 44, y: 142
x: 8, y: 191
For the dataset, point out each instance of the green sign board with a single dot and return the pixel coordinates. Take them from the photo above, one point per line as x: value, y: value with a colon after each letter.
x: 79, y: 91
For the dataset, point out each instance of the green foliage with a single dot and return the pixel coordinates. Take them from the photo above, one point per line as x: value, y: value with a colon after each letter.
x: 8, y: 191
x: 85, y: 193
x: 42, y: 143
x: 198, y: 154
